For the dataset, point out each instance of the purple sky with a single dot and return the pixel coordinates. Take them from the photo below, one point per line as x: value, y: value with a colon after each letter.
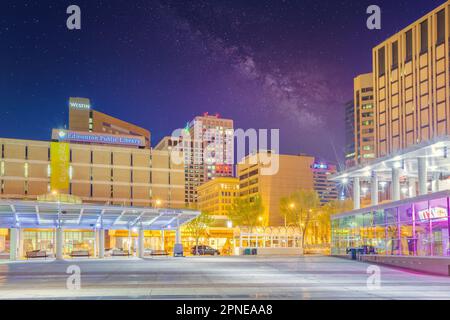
x: 266, y: 64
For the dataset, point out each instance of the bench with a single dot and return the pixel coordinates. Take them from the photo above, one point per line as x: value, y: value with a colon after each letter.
x: 80, y: 253
x: 159, y: 253
x: 36, y: 254
x: 120, y: 253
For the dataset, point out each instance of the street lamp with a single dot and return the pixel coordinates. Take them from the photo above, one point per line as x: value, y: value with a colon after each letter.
x: 158, y: 202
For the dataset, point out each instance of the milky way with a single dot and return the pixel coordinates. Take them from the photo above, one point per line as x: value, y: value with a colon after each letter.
x: 266, y: 64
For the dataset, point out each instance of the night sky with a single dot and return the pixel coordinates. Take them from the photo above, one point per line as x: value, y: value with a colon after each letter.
x: 265, y: 64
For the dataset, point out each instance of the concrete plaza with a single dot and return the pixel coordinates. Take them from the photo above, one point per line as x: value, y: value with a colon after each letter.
x: 310, y: 277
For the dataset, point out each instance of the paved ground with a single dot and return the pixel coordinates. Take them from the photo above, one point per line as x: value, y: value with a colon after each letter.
x: 216, y: 278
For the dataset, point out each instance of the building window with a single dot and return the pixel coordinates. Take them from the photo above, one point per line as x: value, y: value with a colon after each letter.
x: 25, y: 169
x: 408, y: 45
x: 49, y: 171
x: 381, y: 62
x: 424, y: 37
x: 440, y: 27
x: 394, y: 55
x: 70, y: 172
x: 2, y: 168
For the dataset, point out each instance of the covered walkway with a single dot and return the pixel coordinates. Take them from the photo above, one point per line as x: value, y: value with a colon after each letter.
x: 58, y: 216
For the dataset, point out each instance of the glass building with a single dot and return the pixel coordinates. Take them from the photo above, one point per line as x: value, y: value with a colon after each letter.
x: 411, y: 227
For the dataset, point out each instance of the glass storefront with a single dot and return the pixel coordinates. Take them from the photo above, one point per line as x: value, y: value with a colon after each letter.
x: 38, y: 240
x: 75, y: 240
x: 44, y: 239
x: 414, y: 228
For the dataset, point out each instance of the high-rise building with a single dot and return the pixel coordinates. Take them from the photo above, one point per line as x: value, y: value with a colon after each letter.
x: 83, y: 118
x: 325, y: 188
x: 350, y: 134
x: 364, y: 112
x: 411, y: 83
x: 209, y: 153
x: 295, y: 172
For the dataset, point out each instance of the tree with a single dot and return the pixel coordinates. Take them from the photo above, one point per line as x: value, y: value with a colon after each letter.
x: 329, y: 209
x: 198, y: 227
x: 299, y: 209
x: 246, y: 212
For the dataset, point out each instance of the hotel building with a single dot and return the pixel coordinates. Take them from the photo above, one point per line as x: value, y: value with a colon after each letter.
x: 411, y: 84
x: 411, y: 90
x: 85, y: 119
x: 364, y: 113
x: 208, y: 153
x: 294, y: 173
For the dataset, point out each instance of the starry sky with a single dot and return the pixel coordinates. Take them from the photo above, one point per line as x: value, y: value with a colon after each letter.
x: 279, y: 64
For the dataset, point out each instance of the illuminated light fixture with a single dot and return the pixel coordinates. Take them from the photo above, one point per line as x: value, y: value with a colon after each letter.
x: 364, y: 189
x: 62, y: 134
x: 397, y: 165
x: 405, y: 190
x: 168, y: 227
x: 229, y: 224
x: 383, y: 184
x: 344, y: 180
x: 134, y: 229
x: 367, y: 172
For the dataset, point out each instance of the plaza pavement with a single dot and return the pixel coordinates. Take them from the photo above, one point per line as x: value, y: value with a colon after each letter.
x: 310, y: 277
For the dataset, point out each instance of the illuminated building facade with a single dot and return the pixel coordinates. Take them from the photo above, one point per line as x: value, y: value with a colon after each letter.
x: 416, y: 227
x: 217, y: 195
x: 293, y: 173
x: 83, y: 171
x: 411, y: 83
x: 364, y: 113
x: 118, y: 175
x: 83, y: 118
x: 209, y: 153
x: 325, y: 188
x: 350, y: 134
x: 411, y: 89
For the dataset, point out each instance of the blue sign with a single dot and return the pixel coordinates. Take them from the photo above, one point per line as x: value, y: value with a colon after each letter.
x: 98, y: 138
x: 322, y: 166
